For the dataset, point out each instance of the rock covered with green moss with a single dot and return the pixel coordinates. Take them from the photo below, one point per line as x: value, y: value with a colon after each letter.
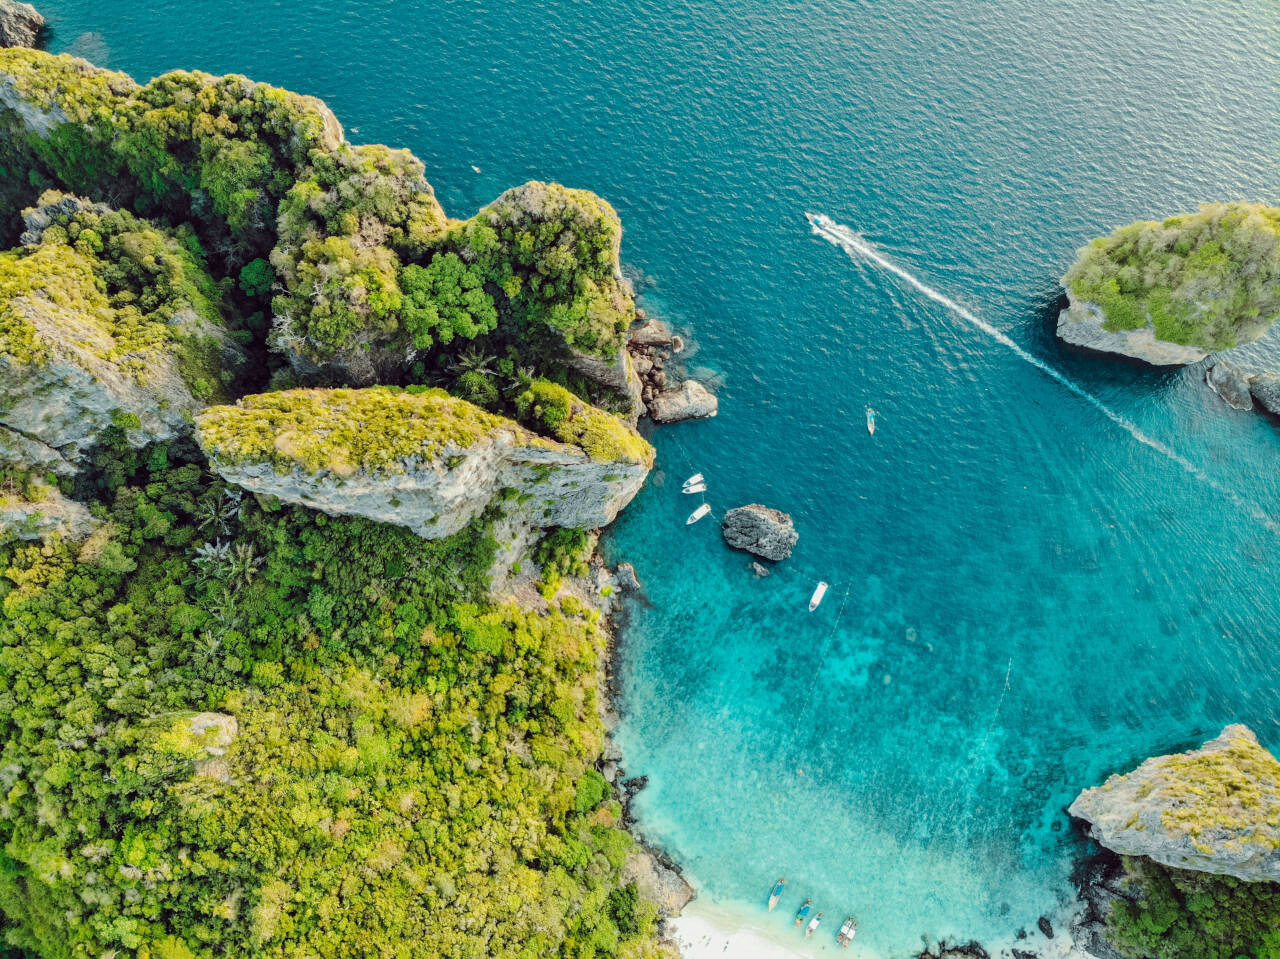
x: 1215, y: 809
x: 105, y: 320
x: 422, y: 459
x: 1173, y: 292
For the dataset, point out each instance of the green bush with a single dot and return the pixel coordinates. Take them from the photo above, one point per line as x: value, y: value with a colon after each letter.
x: 1175, y: 914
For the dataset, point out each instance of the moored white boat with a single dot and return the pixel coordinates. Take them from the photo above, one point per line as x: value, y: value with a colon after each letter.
x: 695, y: 488
x: 697, y: 514
x: 816, y: 598
x: 776, y: 894
x: 694, y: 480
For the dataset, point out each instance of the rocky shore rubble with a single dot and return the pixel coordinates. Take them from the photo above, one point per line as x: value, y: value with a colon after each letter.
x: 652, y: 346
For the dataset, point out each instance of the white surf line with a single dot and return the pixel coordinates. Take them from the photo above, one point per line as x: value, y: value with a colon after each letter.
x: 855, y: 246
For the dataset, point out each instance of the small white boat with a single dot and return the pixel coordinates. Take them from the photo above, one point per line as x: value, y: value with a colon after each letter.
x: 816, y: 598
x: 871, y: 421
x: 694, y: 480
x: 697, y: 514
x: 695, y: 488
x: 475, y: 168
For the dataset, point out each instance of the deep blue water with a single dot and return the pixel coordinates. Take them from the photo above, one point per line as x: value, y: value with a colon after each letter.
x: 1024, y: 598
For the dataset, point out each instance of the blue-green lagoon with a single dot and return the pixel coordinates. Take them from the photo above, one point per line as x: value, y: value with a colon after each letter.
x: 1033, y: 584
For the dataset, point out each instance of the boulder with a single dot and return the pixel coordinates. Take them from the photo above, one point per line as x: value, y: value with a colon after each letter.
x: 424, y: 460
x: 20, y: 24
x: 652, y: 333
x: 625, y: 576
x: 1081, y: 324
x: 1265, y: 388
x: 1215, y: 809
x: 1230, y: 384
x: 765, y: 532
x: 689, y: 401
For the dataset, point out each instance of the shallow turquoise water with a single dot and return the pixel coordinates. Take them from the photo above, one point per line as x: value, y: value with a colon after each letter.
x: 1077, y: 600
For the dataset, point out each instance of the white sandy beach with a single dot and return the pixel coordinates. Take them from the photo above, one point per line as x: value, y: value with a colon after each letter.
x: 710, y: 931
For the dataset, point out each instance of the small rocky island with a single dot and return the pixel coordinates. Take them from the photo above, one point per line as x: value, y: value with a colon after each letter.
x: 761, y: 531
x: 1173, y: 292
x: 1193, y: 841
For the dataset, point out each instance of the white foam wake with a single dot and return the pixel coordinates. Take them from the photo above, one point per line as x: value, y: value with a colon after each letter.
x: 858, y: 247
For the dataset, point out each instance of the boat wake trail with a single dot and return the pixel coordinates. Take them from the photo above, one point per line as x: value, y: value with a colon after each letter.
x: 859, y: 249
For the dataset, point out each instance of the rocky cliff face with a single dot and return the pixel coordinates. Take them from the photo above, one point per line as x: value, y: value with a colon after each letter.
x: 427, y: 461
x: 1215, y: 809
x: 20, y: 24
x: 1081, y: 324
x: 72, y: 364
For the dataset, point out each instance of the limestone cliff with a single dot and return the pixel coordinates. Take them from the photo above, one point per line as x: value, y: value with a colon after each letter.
x: 78, y: 355
x: 1215, y: 809
x: 420, y: 459
x: 1082, y: 323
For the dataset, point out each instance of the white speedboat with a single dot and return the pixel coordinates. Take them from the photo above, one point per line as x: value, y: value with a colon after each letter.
x: 819, y: 221
x: 816, y: 598
x: 694, y: 480
x: 697, y: 514
x: 695, y: 488
x: 871, y: 421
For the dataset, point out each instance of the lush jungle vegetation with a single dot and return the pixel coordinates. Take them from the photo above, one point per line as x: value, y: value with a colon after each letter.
x: 345, y: 246
x: 411, y: 774
x: 1175, y: 914
x: 1209, y: 279
x: 412, y: 766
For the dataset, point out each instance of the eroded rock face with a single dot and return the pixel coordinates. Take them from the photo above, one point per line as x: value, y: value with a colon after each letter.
x: 53, y: 514
x: 658, y: 880
x: 20, y: 24
x: 1265, y: 388
x: 688, y: 401
x: 429, y: 462
x: 619, y: 374
x: 1210, y: 810
x: 765, y: 532
x: 1230, y: 384
x: 1081, y: 324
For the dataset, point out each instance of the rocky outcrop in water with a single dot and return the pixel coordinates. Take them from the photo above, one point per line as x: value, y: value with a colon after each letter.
x: 767, y: 533
x: 652, y: 346
x: 688, y: 401
x: 427, y: 461
x: 1081, y: 325
x: 1230, y: 384
x: 1215, y: 809
x: 20, y: 24
x: 1265, y: 388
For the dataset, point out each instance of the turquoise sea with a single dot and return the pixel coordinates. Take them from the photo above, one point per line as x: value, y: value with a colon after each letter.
x: 1024, y: 597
